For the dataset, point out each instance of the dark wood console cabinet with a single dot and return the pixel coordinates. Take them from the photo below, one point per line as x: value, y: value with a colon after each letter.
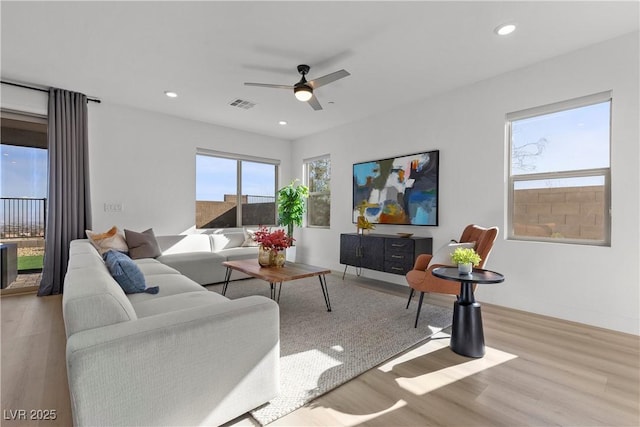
x: 388, y: 253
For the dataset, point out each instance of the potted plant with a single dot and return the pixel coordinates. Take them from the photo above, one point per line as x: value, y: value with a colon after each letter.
x: 466, y: 259
x: 291, y: 205
x: 271, y: 247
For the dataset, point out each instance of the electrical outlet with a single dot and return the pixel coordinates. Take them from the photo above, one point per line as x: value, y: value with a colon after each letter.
x: 113, y: 207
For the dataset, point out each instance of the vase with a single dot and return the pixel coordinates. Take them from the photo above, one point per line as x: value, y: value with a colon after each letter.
x: 465, y: 268
x: 271, y: 257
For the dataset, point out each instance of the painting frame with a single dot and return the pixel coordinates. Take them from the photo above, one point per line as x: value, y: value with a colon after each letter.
x: 401, y: 190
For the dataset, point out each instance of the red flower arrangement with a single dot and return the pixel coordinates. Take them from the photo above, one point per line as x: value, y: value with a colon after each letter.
x: 274, y: 240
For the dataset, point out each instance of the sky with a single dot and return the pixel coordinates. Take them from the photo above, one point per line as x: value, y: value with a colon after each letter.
x: 23, y: 171
x: 216, y: 177
x: 574, y: 139
x: 23, y: 174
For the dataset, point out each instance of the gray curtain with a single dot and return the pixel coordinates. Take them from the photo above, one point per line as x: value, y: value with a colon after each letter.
x: 69, y: 209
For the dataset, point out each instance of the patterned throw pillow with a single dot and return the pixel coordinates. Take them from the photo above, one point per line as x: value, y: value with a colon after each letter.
x: 249, y: 237
x: 142, y: 245
x: 127, y: 273
x: 110, y: 239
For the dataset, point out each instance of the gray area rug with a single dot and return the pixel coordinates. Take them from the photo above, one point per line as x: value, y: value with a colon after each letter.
x: 321, y: 350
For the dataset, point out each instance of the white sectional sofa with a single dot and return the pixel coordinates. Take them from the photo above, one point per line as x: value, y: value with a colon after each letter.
x: 200, y: 256
x: 184, y: 356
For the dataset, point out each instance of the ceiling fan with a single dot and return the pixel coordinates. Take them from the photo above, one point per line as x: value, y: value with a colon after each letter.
x: 303, y: 90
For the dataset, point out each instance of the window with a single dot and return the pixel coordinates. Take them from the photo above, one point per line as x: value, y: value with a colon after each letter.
x: 559, y: 172
x: 232, y: 190
x: 318, y: 179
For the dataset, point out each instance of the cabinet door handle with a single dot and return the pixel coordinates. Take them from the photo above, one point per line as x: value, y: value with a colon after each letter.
x: 396, y: 268
x: 397, y: 245
x: 397, y: 256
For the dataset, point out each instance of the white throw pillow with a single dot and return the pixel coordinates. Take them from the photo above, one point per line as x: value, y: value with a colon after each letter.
x: 443, y: 255
x: 227, y: 240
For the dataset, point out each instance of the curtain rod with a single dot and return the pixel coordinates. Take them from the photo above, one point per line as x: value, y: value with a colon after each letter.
x: 40, y: 89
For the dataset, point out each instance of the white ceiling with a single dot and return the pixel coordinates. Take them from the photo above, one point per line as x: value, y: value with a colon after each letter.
x: 397, y: 52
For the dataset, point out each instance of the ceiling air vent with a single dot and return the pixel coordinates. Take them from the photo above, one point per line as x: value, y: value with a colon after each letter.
x: 241, y: 103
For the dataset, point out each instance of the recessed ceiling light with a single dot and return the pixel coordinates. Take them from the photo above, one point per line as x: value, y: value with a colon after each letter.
x: 282, y: 123
x: 504, y: 29
x: 171, y: 94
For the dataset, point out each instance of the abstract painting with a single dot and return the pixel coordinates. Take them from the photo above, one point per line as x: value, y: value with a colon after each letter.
x: 398, y: 190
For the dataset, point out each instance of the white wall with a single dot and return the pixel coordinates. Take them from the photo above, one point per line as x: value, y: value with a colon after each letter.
x: 146, y: 162
x: 23, y: 100
x: 593, y: 285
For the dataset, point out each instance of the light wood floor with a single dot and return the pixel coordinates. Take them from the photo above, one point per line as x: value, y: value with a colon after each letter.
x: 538, y: 371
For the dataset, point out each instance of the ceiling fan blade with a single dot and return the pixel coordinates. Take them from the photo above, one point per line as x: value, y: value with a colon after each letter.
x: 269, y: 85
x: 315, y: 104
x: 321, y: 81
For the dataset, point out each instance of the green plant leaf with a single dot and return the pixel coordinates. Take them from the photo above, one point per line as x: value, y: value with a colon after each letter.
x: 291, y: 205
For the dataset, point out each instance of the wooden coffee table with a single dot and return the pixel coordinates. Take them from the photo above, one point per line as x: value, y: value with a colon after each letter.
x: 276, y: 275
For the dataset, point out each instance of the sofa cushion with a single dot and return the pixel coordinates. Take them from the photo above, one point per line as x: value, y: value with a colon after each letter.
x: 142, y: 245
x: 177, y: 302
x: 176, y: 244
x: 169, y: 284
x: 240, y: 253
x: 150, y: 267
x: 126, y: 273
x: 202, y: 267
x: 110, y: 239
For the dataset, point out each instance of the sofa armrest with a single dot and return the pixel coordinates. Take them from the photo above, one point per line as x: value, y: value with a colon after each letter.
x: 197, y: 366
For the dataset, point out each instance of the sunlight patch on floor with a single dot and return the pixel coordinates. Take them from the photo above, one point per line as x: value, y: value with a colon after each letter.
x: 437, y: 342
x: 354, y: 420
x: 428, y: 382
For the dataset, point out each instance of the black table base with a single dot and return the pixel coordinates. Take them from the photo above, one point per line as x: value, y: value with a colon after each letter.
x: 467, y: 337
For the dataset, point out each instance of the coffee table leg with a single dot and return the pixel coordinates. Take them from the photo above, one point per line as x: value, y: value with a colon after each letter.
x: 273, y: 291
x: 227, y: 277
x: 325, y: 291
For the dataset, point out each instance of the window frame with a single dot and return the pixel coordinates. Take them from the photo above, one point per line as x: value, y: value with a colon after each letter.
x: 239, y: 158
x: 604, y: 172
x: 306, y: 170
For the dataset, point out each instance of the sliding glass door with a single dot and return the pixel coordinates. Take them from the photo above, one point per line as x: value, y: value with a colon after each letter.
x: 23, y: 192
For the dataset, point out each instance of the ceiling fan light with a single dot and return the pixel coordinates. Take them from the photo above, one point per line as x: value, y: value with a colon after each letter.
x: 303, y: 93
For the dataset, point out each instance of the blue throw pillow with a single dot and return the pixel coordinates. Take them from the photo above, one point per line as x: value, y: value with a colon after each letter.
x: 127, y: 273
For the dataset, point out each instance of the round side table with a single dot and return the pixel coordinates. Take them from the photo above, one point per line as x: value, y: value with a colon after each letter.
x: 467, y: 335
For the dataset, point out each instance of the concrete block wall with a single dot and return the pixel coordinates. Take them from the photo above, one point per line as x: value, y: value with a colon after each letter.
x: 570, y: 212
